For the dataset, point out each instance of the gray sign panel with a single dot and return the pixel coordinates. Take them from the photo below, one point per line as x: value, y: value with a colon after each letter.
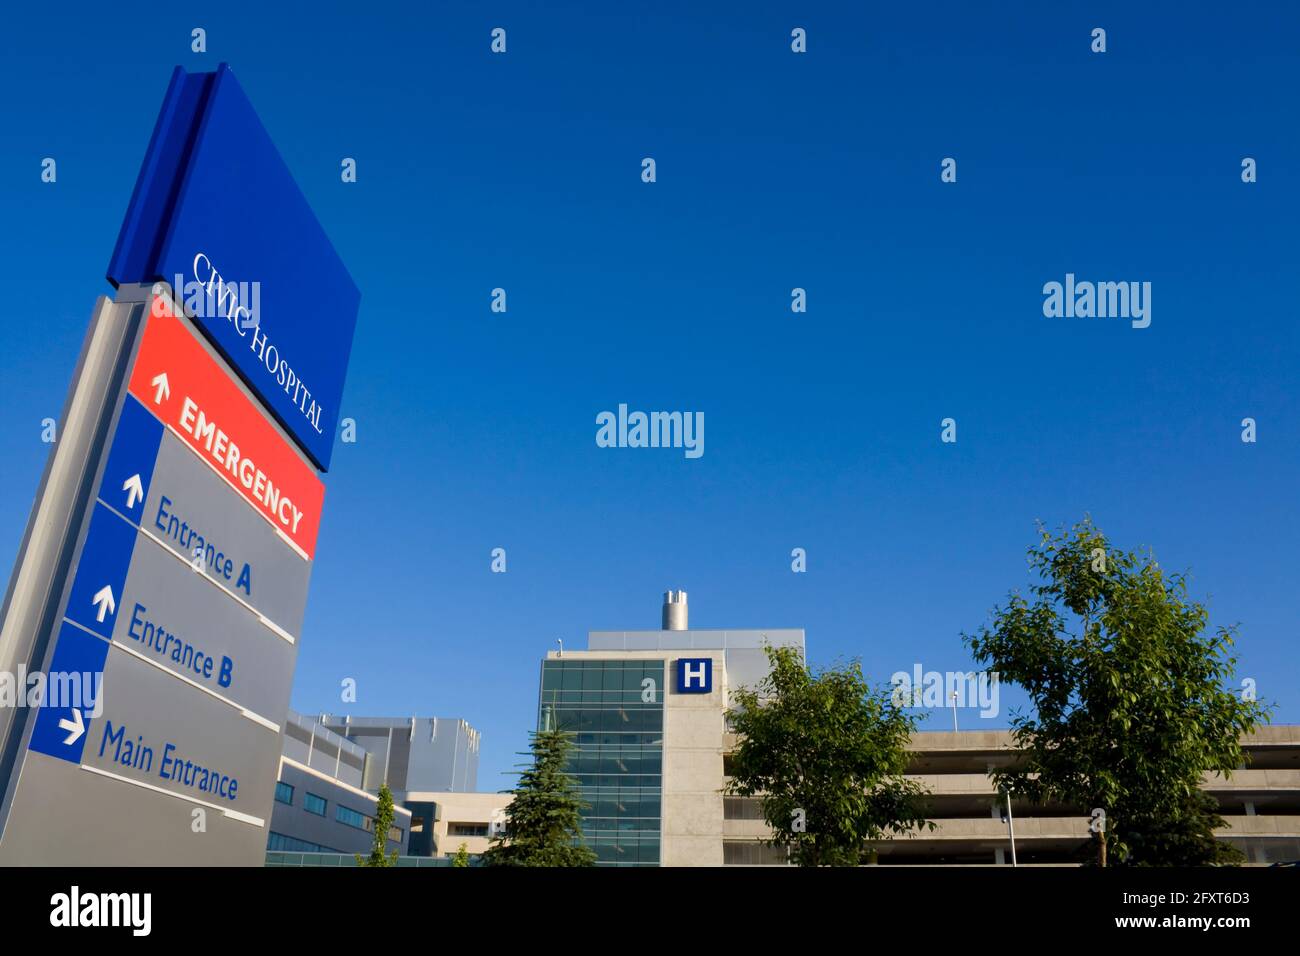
x: 178, y: 620
x: 190, y: 506
x: 78, y: 817
x: 155, y: 730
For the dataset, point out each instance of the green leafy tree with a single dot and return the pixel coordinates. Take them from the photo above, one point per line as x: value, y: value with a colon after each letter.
x: 461, y: 859
x: 827, y: 754
x: 542, y: 822
x: 384, y: 814
x: 1130, y: 698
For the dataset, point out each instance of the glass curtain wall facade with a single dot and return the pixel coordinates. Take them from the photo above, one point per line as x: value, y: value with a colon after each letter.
x: 615, y: 709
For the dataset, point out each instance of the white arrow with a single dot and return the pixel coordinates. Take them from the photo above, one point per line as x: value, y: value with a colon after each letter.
x: 103, y: 600
x: 161, y: 388
x: 134, y: 491
x: 75, y: 727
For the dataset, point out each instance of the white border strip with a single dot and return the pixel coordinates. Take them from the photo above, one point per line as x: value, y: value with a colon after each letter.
x: 141, y: 529
x: 233, y: 814
x: 250, y: 714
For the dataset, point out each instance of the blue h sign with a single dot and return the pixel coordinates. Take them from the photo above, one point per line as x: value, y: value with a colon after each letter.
x: 694, y: 675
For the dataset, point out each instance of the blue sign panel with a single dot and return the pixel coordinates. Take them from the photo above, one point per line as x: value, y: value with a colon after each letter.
x: 694, y: 675
x: 74, y: 684
x: 73, y: 694
x: 101, y: 572
x: 217, y: 215
x: 131, y: 460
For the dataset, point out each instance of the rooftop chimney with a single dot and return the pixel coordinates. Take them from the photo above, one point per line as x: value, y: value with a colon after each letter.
x: 674, y: 611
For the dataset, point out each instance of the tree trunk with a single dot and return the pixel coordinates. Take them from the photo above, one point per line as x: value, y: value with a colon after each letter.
x: 1101, y: 849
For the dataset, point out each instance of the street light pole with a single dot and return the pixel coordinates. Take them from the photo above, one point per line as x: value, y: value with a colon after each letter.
x: 1011, y: 828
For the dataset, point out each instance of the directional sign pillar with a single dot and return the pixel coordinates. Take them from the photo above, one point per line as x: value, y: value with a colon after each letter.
x: 160, y: 592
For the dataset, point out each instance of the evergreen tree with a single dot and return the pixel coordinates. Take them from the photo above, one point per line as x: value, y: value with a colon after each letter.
x: 542, y: 825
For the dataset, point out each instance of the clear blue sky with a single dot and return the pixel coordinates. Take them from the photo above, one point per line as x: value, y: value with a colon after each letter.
x: 477, y: 430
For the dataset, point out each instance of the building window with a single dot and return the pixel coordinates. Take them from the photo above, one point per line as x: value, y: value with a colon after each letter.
x: 349, y: 816
x: 742, y: 808
x: 615, y: 709
x: 395, y: 834
x: 313, y: 804
x: 468, y: 829
x: 278, y: 841
x: 284, y: 793
x: 752, y: 853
